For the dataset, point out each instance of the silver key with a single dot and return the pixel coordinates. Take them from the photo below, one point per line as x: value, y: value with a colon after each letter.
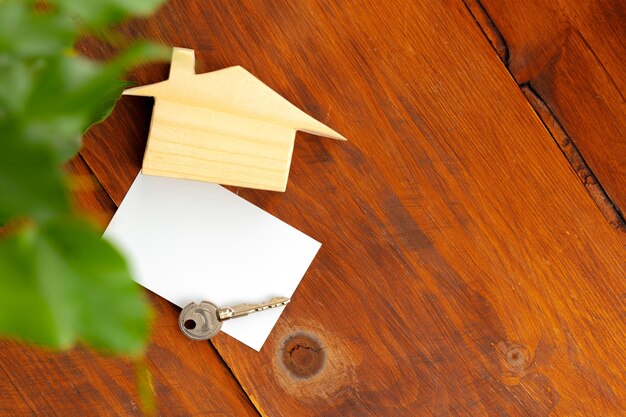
x: 204, y: 320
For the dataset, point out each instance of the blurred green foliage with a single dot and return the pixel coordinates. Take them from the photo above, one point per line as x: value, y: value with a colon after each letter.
x: 60, y: 283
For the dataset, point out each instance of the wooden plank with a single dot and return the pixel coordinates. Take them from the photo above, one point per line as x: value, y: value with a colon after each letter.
x: 464, y: 268
x: 570, y: 57
x: 80, y: 382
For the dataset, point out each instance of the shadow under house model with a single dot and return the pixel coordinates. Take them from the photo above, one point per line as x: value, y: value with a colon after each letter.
x: 224, y: 126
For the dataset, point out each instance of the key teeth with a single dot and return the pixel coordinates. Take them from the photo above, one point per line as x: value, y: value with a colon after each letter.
x: 278, y: 301
x: 242, y: 310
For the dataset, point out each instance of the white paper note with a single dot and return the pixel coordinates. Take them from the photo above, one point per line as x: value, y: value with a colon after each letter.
x: 192, y: 241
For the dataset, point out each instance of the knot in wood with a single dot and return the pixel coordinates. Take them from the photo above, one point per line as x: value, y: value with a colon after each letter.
x: 303, y: 355
x: 517, y: 358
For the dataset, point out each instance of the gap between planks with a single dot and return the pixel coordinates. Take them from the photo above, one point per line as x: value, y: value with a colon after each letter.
x: 549, y: 120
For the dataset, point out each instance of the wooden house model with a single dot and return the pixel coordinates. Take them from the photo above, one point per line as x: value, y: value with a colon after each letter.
x: 224, y: 126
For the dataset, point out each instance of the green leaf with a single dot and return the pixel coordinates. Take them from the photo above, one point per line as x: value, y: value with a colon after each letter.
x: 70, y: 94
x: 31, y: 181
x: 16, y: 79
x: 137, y: 54
x: 104, y: 12
x: 25, y: 34
x: 61, y: 283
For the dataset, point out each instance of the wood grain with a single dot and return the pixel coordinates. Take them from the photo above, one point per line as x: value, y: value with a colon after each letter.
x: 571, y: 55
x: 464, y: 271
x: 82, y: 383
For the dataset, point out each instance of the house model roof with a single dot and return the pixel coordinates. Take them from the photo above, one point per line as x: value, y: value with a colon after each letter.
x: 224, y: 126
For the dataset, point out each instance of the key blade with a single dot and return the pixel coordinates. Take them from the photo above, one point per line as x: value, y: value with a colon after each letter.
x: 242, y: 310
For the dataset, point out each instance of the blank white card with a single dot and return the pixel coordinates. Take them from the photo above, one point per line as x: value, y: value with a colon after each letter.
x: 193, y: 241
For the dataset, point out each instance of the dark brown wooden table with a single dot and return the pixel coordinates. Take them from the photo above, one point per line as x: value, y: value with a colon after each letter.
x: 473, y: 259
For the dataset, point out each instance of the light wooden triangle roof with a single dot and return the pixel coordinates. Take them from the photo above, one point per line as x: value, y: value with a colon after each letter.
x: 231, y: 90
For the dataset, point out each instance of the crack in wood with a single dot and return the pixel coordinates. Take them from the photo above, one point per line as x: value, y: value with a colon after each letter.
x: 554, y: 127
x: 610, y: 212
x: 489, y: 29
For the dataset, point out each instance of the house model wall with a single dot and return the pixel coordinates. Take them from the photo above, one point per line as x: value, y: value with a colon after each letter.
x: 224, y: 126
